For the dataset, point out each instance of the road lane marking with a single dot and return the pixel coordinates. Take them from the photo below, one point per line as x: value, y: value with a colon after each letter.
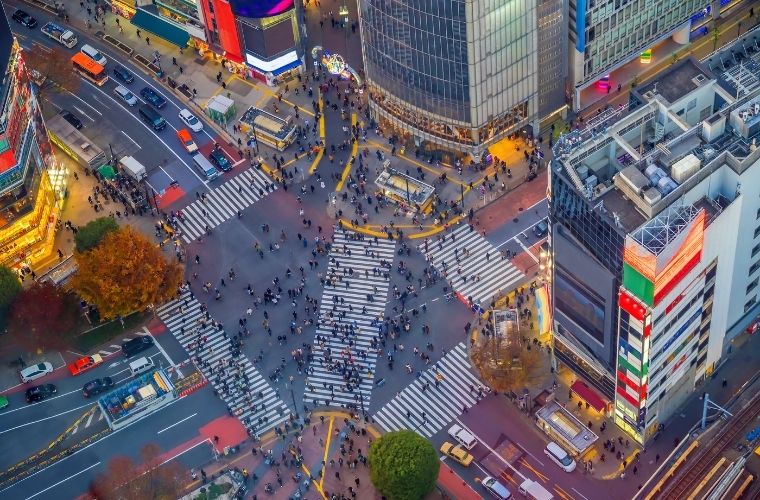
x: 176, y: 423
x: 579, y: 493
x: 46, y: 418
x: 83, y: 113
x: 133, y: 141
x: 41, y: 402
x: 85, y: 102
x: 327, y: 449
x: 63, y: 481
x: 161, y: 349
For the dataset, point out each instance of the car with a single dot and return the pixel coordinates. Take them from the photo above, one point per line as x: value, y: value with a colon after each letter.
x: 153, y: 97
x: 541, y: 229
x: 123, y: 74
x: 40, y: 393
x: 457, y: 452
x: 3, y: 402
x: 190, y: 120
x: 220, y: 159
x: 187, y: 140
x: 495, y: 488
x: 94, y: 387
x: 35, y: 371
x: 85, y: 363
x: 23, y: 17
x: 71, y: 118
x: 135, y: 345
x: 463, y: 437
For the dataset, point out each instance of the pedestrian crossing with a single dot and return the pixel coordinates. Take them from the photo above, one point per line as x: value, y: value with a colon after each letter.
x: 224, y: 202
x: 427, y: 409
x: 474, y: 267
x: 355, y: 292
x: 246, y: 393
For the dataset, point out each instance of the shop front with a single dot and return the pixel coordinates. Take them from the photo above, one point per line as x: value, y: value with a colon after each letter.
x: 148, y: 19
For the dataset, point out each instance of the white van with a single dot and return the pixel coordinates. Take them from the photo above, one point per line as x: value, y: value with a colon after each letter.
x: 126, y: 95
x: 93, y: 54
x: 141, y: 365
x: 560, y: 456
x: 463, y: 437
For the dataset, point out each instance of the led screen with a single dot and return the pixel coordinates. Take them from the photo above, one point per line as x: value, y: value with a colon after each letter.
x: 260, y: 8
x: 578, y: 303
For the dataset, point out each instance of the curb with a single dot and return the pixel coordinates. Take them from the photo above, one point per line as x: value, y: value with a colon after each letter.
x: 193, y: 388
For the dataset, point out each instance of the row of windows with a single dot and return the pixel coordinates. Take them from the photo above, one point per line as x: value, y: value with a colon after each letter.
x: 674, y: 318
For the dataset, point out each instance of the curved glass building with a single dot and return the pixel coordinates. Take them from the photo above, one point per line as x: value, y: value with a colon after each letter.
x: 456, y: 74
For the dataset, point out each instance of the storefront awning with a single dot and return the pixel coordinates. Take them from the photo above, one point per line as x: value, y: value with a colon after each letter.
x: 287, y: 67
x: 161, y: 28
x: 587, y: 394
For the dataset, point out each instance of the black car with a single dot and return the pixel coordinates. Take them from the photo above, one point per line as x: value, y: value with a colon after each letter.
x: 220, y: 159
x: 71, y: 118
x: 96, y: 386
x: 153, y: 97
x: 135, y: 345
x: 541, y: 229
x: 40, y: 393
x: 24, y: 18
x: 123, y: 74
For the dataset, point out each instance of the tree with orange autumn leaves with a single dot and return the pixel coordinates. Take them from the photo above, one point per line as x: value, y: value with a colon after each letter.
x: 125, y: 273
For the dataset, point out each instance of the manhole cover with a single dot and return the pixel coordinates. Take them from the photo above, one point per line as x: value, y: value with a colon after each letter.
x: 520, y: 209
x: 515, y: 220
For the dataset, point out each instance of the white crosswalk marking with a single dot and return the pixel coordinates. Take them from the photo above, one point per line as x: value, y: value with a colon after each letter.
x: 457, y: 389
x: 343, y: 365
x: 223, y: 202
x: 247, y: 394
x: 474, y: 267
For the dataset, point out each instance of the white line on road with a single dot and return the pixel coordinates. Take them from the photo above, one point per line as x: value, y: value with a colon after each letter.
x: 133, y: 141
x: 46, y: 418
x: 89, y: 420
x: 527, y: 250
x: 72, y: 476
x: 83, y: 113
x: 40, y: 403
x: 578, y: 492
x: 160, y: 348
x: 85, y: 102
x: 176, y: 423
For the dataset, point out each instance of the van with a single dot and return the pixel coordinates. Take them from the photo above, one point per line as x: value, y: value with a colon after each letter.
x: 152, y: 118
x: 141, y: 365
x: 495, y: 488
x: 560, y: 457
x: 205, y: 166
x: 464, y: 438
x: 125, y: 95
x: 93, y: 54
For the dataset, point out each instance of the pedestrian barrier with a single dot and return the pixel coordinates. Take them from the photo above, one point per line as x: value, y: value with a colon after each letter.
x: 119, y: 45
x: 193, y: 388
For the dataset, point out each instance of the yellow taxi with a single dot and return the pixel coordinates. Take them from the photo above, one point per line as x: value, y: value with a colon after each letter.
x: 457, y: 452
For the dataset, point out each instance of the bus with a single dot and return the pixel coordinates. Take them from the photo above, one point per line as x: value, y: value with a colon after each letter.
x: 89, y: 69
x: 269, y: 129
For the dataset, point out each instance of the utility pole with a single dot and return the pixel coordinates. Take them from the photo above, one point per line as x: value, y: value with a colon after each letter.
x: 712, y: 406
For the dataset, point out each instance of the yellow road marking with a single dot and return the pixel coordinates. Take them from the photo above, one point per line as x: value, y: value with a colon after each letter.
x: 354, y: 149
x: 414, y: 162
x: 327, y: 450
x: 541, y: 476
x: 321, y: 152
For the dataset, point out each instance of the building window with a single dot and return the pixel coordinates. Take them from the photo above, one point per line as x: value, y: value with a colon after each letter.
x: 755, y: 249
x: 757, y: 231
x: 750, y: 303
x: 754, y: 268
x: 751, y: 286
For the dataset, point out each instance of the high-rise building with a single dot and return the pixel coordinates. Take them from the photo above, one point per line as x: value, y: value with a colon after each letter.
x: 32, y: 184
x: 456, y: 74
x: 655, y: 238
x: 606, y: 34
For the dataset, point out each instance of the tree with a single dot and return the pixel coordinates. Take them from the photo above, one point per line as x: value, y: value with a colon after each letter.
x: 92, y: 233
x: 715, y: 35
x: 506, y: 368
x: 123, y: 478
x: 51, y: 70
x: 403, y: 465
x: 125, y: 273
x: 43, y: 317
x: 10, y: 286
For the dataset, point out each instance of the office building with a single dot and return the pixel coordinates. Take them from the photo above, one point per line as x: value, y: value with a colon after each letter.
x: 455, y: 75
x: 655, y: 233
x: 31, y: 183
x: 606, y: 34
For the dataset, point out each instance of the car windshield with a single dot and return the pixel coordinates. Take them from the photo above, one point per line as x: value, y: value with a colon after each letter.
x: 192, y: 120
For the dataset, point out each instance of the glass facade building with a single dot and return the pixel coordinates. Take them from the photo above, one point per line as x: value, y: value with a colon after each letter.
x: 451, y: 74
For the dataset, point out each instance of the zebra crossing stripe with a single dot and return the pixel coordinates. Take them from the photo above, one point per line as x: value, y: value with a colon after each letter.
x: 223, y: 202
x: 349, y: 302
x: 249, y: 396
x: 441, y: 404
x: 481, y: 272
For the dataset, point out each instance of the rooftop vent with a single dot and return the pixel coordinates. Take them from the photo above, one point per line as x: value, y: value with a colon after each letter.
x: 699, y: 79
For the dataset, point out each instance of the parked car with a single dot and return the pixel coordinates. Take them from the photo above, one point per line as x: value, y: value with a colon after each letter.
x: 220, y: 159
x: 191, y: 120
x: 135, y: 345
x: 3, y: 402
x: 24, y: 18
x: 457, y: 452
x: 94, y: 387
x: 153, y: 98
x: 71, y: 118
x: 35, y: 371
x: 85, y: 363
x: 123, y: 74
x: 40, y: 393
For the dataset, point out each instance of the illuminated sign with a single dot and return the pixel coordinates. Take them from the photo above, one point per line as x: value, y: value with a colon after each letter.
x: 260, y: 8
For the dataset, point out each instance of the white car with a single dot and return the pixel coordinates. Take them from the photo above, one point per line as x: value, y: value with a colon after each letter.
x: 35, y: 371
x: 463, y: 437
x: 190, y: 120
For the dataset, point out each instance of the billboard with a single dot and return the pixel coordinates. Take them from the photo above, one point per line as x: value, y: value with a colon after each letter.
x: 260, y: 8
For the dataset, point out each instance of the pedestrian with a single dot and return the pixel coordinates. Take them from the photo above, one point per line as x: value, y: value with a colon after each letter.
x: 657, y: 458
x: 138, y: 33
x: 147, y: 40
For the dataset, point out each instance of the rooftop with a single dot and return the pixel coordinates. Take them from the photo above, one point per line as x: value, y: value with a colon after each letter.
x: 567, y: 426
x: 135, y: 395
x: 680, y: 79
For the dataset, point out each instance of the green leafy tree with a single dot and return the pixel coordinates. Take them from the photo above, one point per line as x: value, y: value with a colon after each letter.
x: 43, y: 317
x: 10, y: 286
x: 403, y: 465
x: 92, y: 233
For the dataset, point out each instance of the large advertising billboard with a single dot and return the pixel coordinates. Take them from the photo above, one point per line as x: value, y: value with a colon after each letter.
x: 260, y: 8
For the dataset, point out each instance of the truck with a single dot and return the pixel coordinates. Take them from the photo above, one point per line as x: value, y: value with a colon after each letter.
x: 65, y: 37
x: 133, y: 168
x: 534, y: 491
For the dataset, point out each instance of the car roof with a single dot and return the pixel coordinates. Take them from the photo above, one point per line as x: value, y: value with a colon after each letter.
x: 184, y: 134
x: 185, y: 112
